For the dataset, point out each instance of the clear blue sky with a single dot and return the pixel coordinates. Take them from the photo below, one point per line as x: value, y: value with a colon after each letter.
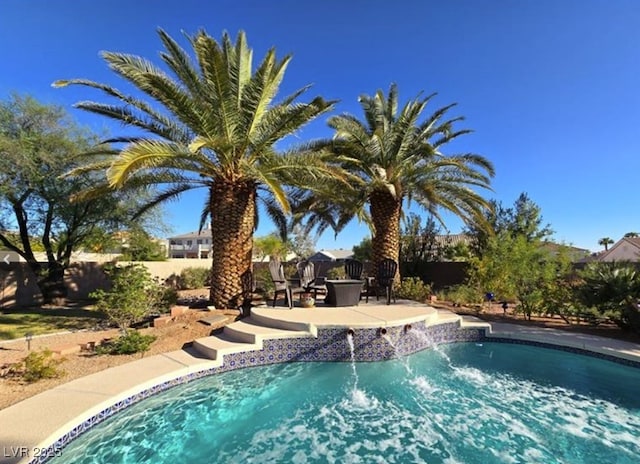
x: 551, y: 88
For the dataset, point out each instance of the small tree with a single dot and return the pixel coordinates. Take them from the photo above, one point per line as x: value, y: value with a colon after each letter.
x: 134, y: 295
x: 270, y: 246
x: 142, y: 247
x: 363, y: 250
x: 605, y: 242
x: 514, y: 268
x: 301, y: 243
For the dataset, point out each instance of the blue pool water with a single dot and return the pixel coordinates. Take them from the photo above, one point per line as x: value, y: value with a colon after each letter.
x: 468, y: 403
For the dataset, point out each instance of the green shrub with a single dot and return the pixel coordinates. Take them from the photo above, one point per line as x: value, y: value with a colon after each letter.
x: 134, y: 295
x: 461, y: 295
x: 130, y: 343
x: 194, y: 277
x: 613, y: 290
x: 264, y: 282
x: 336, y: 273
x: 40, y: 365
x: 413, y: 288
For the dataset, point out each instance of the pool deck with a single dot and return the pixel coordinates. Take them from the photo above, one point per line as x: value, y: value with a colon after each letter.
x: 39, y: 421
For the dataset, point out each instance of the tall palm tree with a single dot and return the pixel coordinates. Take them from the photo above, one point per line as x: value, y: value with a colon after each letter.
x: 215, y: 128
x: 395, y: 157
x: 605, y: 242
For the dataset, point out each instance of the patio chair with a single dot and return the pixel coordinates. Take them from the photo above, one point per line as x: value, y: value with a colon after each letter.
x: 353, y: 269
x: 308, y: 279
x: 384, y: 278
x: 288, y: 287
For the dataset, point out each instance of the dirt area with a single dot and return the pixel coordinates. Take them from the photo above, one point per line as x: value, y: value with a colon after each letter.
x: 174, y: 335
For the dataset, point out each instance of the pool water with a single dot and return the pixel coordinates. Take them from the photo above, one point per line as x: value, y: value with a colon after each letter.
x: 464, y: 403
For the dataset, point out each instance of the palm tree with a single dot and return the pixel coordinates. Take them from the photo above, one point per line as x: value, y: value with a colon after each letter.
x: 215, y: 129
x: 394, y: 157
x: 631, y: 235
x: 605, y: 242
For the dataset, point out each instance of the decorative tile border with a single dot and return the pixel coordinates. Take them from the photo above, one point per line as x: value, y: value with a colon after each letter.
x: 330, y: 345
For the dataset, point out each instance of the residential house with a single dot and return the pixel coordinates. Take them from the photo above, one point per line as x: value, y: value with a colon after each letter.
x: 332, y: 255
x: 625, y: 249
x: 192, y: 245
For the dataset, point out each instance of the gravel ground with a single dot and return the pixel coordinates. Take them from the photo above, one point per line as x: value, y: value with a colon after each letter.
x: 181, y: 330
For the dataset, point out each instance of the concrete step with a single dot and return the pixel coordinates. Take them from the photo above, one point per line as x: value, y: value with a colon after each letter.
x: 251, y: 331
x: 217, y: 346
x: 273, y: 318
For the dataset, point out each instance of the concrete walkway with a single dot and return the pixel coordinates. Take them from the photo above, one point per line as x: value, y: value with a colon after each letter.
x: 39, y: 421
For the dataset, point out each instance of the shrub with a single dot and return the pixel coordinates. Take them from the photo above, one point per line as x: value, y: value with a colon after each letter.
x: 130, y: 343
x: 264, y: 282
x: 40, y: 365
x: 194, y: 277
x: 336, y: 273
x: 461, y: 295
x: 613, y: 289
x: 413, y: 288
x: 134, y: 295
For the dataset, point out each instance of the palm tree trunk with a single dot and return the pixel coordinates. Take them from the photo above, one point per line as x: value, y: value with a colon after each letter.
x: 385, y: 215
x: 232, y: 224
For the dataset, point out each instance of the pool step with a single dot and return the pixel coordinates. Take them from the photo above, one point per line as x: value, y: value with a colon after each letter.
x: 240, y: 336
x: 217, y: 346
x: 273, y: 318
x: 252, y: 331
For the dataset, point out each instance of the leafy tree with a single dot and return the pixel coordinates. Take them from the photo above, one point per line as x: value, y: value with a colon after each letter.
x: 140, y: 246
x: 523, y: 219
x: 301, y: 243
x: 39, y: 143
x: 216, y: 129
x: 363, y: 250
x: 394, y: 157
x: 515, y: 268
x: 418, y: 243
x: 605, y: 242
x: 270, y: 246
x: 631, y: 235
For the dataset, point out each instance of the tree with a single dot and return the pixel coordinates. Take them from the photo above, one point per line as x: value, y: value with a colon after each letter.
x: 419, y: 243
x: 39, y: 143
x: 631, y: 235
x: 216, y: 130
x: 516, y: 268
x: 392, y: 158
x: 270, y: 246
x: 300, y: 243
x: 362, y: 251
x: 140, y: 246
x: 523, y: 219
x: 605, y: 242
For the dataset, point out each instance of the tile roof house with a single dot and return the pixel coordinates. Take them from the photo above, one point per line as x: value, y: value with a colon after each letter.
x: 625, y: 249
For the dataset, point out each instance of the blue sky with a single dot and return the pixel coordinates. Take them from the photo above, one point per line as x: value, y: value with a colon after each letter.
x: 551, y: 88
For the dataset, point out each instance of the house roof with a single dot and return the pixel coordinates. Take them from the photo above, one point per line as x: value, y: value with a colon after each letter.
x: 633, y: 242
x: 335, y: 255
x: 206, y: 233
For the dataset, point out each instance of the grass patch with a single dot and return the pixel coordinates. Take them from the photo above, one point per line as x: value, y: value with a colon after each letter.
x: 16, y: 323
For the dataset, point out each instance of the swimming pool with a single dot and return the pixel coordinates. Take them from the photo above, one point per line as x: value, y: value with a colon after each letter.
x: 465, y: 403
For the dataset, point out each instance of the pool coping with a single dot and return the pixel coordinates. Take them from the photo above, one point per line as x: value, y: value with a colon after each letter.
x: 33, y: 425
